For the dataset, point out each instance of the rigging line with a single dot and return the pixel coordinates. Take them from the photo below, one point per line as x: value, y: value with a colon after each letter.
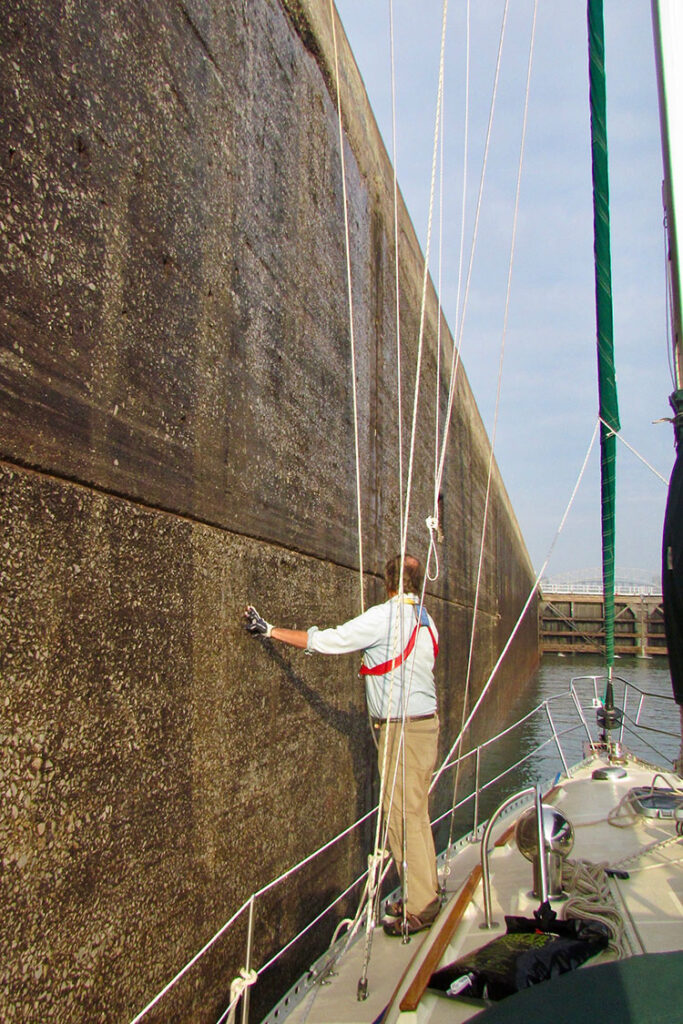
x: 382, y: 828
x: 372, y: 891
x: 494, y: 670
x: 190, y: 964
x: 399, y: 375
x: 382, y: 823
x: 455, y: 363
x: 405, y: 694
x: 400, y: 757
x: 311, y: 924
x: 461, y: 252
x: 256, y: 895
x: 634, y: 452
x: 513, y: 242
x: 350, y: 299
x: 405, y: 509
x: 399, y: 381
x: 425, y: 278
x: 437, y: 403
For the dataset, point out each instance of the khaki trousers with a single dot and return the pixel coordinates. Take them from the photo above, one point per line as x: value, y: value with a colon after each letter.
x: 420, y: 744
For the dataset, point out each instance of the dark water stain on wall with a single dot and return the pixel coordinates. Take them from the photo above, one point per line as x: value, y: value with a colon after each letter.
x: 176, y: 439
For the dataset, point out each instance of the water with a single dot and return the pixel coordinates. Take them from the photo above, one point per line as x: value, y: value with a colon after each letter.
x: 655, y: 738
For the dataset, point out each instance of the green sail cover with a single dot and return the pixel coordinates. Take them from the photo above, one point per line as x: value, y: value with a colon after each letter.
x: 609, y: 409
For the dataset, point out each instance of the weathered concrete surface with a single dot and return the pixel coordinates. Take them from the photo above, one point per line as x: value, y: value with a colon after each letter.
x: 176, y: 438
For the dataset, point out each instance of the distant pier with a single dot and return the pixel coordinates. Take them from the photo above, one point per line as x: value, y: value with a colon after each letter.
x: 571, y: 617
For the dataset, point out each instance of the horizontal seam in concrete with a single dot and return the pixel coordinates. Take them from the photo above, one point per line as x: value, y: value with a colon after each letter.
x: 30, y: 470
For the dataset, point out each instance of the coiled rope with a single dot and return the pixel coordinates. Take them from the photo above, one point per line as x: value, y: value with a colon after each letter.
x: 591, y: 899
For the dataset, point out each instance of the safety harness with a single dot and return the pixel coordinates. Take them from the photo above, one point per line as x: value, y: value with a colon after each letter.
x: 387, y: 666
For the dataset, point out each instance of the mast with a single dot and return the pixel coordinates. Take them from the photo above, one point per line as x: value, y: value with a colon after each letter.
x: 667, y: 21
x: 609, y: 408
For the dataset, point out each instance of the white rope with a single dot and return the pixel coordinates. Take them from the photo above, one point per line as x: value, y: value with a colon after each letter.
x: 350, y: 297
x: 399, y: 378
x: 237, y: 989
x: 313, y: 923
x: 455, y: 362
x: 465, y: 179
x: 614, y: 433
x: 463, y: 210
x: 425, y: 278
x: 439, y: 476
x: 382, y: 828
x: 190, y: 963
x: 489, y: 477
x: 432, y: 523
x: 591, y: 899
x: 399, y: 413
x: 261, y: 892
x: 494, y: 433
x: 405, y: 511
x: 523, y: 612
x: 439, y: 318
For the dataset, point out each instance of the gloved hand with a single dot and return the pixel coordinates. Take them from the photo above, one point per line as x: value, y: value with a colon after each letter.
x: 256, y: 624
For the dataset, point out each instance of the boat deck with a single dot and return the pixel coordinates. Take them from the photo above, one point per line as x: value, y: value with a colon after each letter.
x: 651, y: 900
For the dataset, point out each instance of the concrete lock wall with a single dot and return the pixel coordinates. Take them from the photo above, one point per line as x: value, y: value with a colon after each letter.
x: 176, y: 439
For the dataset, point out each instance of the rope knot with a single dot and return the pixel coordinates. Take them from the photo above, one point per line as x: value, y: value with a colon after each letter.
x: 432, y: 523
x: 376, y: 858
x: 238, y: 987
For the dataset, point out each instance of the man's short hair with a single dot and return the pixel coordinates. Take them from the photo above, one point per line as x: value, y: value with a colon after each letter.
x: 413, y: 575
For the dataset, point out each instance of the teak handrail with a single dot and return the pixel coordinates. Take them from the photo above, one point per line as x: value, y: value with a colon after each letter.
x: 419, y: 983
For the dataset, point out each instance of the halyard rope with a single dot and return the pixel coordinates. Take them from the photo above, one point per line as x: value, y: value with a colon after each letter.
x: 350, y: 295
x: 425, y: 278
x: 523, y: 612
x: 373, y: 888
x: 455, y: 362
x: 261, y: 892
x: 484, y: 525
x: 399, y: 378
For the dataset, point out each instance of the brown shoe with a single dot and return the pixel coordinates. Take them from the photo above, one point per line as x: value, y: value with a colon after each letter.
x: 413, y: 924
x: 431, y: 911
x: 394, y: 909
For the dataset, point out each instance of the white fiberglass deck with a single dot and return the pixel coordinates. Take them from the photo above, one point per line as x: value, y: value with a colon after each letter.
x: 651, y: 898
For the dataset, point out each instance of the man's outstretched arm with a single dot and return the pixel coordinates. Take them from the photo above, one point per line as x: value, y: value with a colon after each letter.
x: 257, y: 626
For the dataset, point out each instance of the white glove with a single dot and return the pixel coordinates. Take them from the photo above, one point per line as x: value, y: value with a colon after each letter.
x: 256, y: 624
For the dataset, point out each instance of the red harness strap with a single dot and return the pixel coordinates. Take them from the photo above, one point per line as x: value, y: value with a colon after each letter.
x: 387, y: 666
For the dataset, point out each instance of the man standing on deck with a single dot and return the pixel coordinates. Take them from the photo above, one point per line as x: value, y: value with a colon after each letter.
x: 399, y: 643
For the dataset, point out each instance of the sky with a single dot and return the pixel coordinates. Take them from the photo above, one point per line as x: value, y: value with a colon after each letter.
x: 548, y: 404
